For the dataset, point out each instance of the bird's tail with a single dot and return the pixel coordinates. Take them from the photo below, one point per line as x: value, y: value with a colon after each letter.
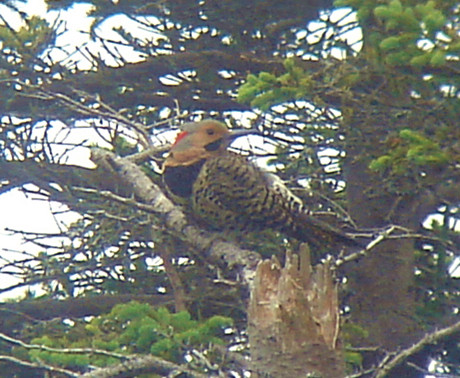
x: 323, y: 236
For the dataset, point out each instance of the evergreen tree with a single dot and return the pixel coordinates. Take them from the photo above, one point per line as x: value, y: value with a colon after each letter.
x: 356, y: 107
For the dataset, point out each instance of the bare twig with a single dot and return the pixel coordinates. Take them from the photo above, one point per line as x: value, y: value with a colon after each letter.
x: 426, y: 372
x: 387, y: 365
x: 103, y: 110
x: 135, y: 364
x: 61, y: 350
x: 143, y: 364
x: 363, y: 252
x: 174, y: 278
x: 386, y: 234
x: 149, y: 153
x: 114, y: 197
x: 41, y: 366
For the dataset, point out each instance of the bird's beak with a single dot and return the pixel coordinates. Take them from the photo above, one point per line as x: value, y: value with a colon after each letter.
x: 236, y: 133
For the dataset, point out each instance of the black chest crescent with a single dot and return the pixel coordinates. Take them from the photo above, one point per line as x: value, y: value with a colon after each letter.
x: 180, y: 179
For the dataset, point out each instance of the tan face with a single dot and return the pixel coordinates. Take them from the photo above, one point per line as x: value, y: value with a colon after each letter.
x: 197, y: 141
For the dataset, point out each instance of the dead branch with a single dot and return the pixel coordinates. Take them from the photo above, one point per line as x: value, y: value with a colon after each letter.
x: 378, y: 238
x: 384, y: 368
x: 40, y: 366
x: 47, y: 309
x: 103, y: 110
x: 174, y: 278
x: 131, y: 364
x: 175, y: 221
x: 20, y: 343
x: 137, y: 365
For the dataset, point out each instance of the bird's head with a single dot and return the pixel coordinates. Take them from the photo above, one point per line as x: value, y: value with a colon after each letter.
x: 201, y: 140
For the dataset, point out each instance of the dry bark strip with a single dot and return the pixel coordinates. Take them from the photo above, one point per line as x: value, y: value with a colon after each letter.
x: 294, y: 320
x: 293, y: 311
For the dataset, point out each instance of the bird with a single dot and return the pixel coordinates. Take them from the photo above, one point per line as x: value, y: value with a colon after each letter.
x: 227, y: 192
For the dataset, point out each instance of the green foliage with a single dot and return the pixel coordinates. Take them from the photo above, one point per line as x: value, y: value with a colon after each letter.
x: 363, y: 7
x: 438, y: 297
x: 352, y: 331
x: 27, y: 42
x: 265, y: 90
x: 411, y: 150
x: 397, y: 17
x: 123, y: 147
x: 349, y: 100
x: 411, y: 31
x: 411, y: 24
x: 62, y: 359
x: 130, y: 328
x: 355, y: 359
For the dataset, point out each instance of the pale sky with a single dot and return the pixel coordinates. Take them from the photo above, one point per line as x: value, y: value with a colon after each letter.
x: 26, y: 213
x: 29, y: 213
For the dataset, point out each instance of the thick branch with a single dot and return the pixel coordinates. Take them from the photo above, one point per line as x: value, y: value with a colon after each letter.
x: 47, y: 309
x: 146, y: 191
x: 41, y: 366
x: 42, y: 174
x: 135, y: 366
x: 131, y: 365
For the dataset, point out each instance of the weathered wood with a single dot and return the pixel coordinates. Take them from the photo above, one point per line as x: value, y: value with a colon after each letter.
x: 294, y: 319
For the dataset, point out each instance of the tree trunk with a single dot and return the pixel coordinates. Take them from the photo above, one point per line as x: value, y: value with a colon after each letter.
x: 294, y: 320
x: 383, y: 300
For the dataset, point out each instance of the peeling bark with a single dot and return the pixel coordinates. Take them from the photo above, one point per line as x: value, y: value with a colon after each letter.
x: 293, y: 319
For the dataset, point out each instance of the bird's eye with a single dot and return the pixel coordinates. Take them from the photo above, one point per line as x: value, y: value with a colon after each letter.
x: 210, y: 131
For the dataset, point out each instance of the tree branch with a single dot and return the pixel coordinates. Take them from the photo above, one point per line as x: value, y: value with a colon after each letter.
x: 132, y: 365
x: 103, y: 110
x: 61, y: 350
x: 47, y: 309
x: 384, y: 368
x: 137, y: 365
x: 386, y: 234
x: 149, y: 193
x: 31, y: 365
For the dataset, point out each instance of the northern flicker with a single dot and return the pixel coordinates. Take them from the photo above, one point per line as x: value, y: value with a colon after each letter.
x: 228, y: 192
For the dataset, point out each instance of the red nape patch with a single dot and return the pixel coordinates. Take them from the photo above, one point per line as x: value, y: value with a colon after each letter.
x: 180, y: 136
